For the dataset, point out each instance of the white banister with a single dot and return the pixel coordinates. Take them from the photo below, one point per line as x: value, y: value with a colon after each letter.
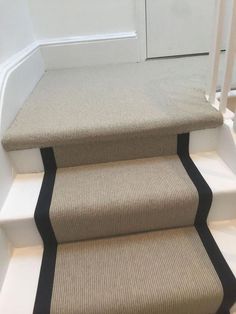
x: 229, y: 64
x: 220, y: 13
x: 215, y: 49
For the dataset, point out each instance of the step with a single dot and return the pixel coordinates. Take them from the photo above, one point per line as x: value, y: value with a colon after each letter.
x: 158, y: 272
x: 132, y: 275
x: 105, y: 110
x: 122, y: 197
x: 17, y: 214
x: 200, y: 141
x: 17, y: 295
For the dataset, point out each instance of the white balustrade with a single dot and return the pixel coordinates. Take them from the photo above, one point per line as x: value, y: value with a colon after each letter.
x: 215, y: 55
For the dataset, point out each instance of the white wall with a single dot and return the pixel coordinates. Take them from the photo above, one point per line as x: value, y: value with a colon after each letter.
x: 5, y: 254
x: 89, y: 32
x: 15, y: 34
x: 64, y: 18
x: 15, y: 27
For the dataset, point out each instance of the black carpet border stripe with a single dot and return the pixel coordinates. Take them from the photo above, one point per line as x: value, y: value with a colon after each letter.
x: 224, y: 272
x: 45, y: 285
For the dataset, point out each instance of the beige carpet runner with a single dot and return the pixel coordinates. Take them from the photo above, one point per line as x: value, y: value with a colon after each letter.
x: 145, y: 273
x: 122, y: 209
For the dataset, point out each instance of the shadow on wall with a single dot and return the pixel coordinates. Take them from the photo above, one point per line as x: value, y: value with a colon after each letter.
x: 7, y: 173
x: 5, y: 255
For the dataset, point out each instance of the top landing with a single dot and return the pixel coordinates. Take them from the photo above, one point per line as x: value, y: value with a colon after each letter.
x: 157, y: 97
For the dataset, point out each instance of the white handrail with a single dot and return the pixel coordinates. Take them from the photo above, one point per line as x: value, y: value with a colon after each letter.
x: 215, y: 49
x: 215, y: 54
x: 230, y: 55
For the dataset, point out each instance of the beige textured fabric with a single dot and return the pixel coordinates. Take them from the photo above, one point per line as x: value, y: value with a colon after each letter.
x: 107, y: 151
x: 162, y: 272
x: 156, y: 98
x: 122, y: 197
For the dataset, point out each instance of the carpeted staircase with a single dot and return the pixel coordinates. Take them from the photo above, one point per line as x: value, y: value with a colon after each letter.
x: 122, y: 209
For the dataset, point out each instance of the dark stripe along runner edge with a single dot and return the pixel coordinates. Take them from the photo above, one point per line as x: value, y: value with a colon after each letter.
x: 45, y: 285
x: 224, y: 272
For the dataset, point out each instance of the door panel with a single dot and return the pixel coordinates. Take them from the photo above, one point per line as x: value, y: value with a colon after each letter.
x: 179, y: 27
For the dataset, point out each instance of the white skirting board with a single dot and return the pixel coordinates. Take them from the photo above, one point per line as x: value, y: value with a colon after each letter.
x: 91, y: 50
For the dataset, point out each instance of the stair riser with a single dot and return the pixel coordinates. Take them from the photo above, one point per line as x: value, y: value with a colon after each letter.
x: 125, y: 149
x: 146, y: 218
x: 95, y: 152
x: 69, y: 156
x: 22, y: 232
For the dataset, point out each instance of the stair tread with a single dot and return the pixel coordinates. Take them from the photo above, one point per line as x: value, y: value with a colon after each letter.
x: 122, y: 197
x: 158, y: 97
x: 158, y: 272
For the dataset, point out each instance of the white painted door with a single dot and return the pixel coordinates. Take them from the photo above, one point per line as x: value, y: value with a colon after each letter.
x: 179, y: 27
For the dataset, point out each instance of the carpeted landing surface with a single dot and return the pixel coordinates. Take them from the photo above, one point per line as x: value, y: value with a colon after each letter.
x: 92, y: 104
x: 122, y: 209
